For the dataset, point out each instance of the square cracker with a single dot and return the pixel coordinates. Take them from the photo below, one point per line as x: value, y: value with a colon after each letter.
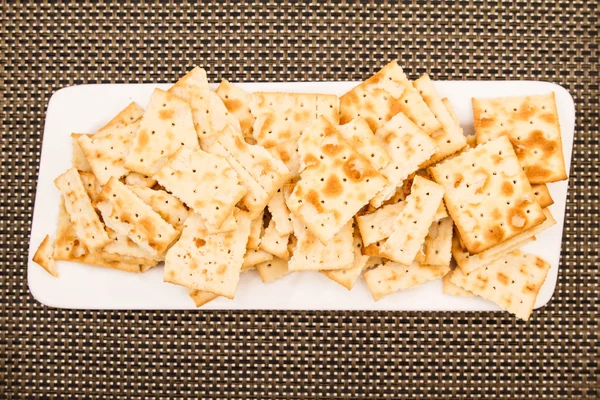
x: 208, y: 262
x: 79, y: 161
x: 531, y: 123
x: 106, y: 153
x: 237, y: 101
x: 335, y: 184
x: 470, y: 262
x: 204, y: 182
x: 382, y: 96
x: 362, y: 139
x: 488, y: 195
x: 86, y: 222
x: 282, y: 117
x: 411, y: 225
x: 312, y: 255
x: 347, y: 277
x: 166, y: 126
x: 512, y: 282
x: 68, y: 247
x: 450, y: 138
x: 127, y: 214
x: 272, y: 270
x: 408, y: 146
x: 269, y: 172
x: 542, y: 194
x: 209, y: 113
x: 44, y: 256
x: 437, y: 247
x: 391, y: 277
x: 169, y: 207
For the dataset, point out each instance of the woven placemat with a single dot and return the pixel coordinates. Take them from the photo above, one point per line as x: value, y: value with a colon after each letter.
x: 49, y: 353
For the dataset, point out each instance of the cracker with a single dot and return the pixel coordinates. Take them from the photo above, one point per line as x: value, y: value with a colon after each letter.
x: 452, y: 113
x: 169, y: 207
x: 336, y: 183
x: 209, y: 113
x: 254, y: 257
x: 347, y: 277
x: 373, y: 249
x: 229, y: 224
x: 378, y: 225
x: 255, y: 198
x: 373, y: 262
x: 441, y: 212
x: 127, y: 214
x: 453, y: 290
x: 391, y: 277
x: 272, y: 270
x: 542, y: 194
x: 79, y: 160
x: 450, y: 138
x: 470, y: 262
x: 437, y: 247
x: 68, y: 247
x: 44, y: 256
x: 130, y: 114
x: 280, y: 213
x: 122, y: 247
x: 91, y: 184
x: 411, y: 226
x: 166, y: 126
x: 360, y: 136
x: 531, y: 123
x: 144, y: 264
x: 312, y: 255
x: 488, y: 195
x: 85, y: 221
x: 287, y: 152
x: 237, y: 101
x: 471, y: 141
x: 106, y: 153
x: 408, y: 146
x: 201, y: 297
x: 282, y: 117
x: 269, y: 172
x: 275, y: 243
x: 204, y: 182
x: 135, y: 179
x: 208, y: 262
x: 256, y: 232
x: 382, y: 96
x: 512, y: 282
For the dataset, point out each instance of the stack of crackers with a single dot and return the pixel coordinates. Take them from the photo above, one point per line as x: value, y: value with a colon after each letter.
x: 380, y: 183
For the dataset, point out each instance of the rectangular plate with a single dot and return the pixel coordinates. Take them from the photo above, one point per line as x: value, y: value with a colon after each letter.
x: 86, y: 108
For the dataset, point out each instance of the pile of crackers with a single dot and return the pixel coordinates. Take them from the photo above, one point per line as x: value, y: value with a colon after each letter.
x: 380, y: 183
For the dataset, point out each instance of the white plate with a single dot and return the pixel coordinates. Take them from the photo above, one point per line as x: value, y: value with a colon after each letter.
x: 86, y: 108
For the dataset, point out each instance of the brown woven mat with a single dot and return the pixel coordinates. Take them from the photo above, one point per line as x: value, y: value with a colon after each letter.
x: 48, y: 353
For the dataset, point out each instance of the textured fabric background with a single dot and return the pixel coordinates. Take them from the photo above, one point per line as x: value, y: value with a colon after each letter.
x: 48, y: 353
